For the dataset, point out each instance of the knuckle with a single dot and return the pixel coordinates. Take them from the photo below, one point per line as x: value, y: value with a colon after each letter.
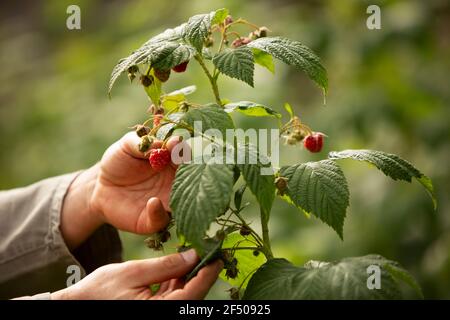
x: 130, y: 267
x: 172, y: 261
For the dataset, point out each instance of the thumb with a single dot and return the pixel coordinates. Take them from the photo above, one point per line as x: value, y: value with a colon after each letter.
x: 153, y: 218
x: 129, y: 144
x: 164, y: 268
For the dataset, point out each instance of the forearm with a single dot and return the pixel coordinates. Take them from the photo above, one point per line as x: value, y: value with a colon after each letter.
x: 78, y: 219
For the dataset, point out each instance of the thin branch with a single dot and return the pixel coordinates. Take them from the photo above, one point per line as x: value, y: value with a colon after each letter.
x: 210, y: 78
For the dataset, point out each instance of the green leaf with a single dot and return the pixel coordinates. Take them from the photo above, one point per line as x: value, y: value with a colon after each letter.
x: 197, y: 29
x: 261, y: 185
x: 236, y: 63
x: 288, y: 108
x: 143, y: 54
x: 172, y: 100
x: 172, y: 34
x: 247, y: 261
x: 296, y: 54
x: 134, y: 59
x: 346, y: 279
x: 401, y: 275
x: 154, y: 90
x: 250, y: 108
x: 169, y: 54
x: 264, y: 59
x: 391, y: 165
x: 207, y: 53
x: 211, y: 117
x: 319, y: 188
x: 199, y: 194
x: 219, y: 16
x: 184, y: 91
x: 162, y: 55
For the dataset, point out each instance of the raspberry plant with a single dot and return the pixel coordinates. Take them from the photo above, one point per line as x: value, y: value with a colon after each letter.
x: 201, y: 194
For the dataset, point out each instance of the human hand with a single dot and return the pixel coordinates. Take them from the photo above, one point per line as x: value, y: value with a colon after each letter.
x: 128, y: 193
x: 131, y: 280
x: 121, y: 190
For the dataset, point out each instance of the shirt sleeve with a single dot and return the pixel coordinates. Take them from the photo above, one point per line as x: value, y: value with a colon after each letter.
x: 33, y: 255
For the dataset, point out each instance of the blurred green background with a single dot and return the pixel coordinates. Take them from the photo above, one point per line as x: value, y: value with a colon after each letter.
x: 388, y: 91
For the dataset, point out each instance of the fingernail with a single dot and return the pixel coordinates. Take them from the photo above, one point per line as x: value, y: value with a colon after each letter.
x: 190, y: 256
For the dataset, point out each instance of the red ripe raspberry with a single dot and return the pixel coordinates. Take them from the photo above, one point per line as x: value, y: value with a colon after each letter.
x: 181, y: 67
x: 157, y: 119
x: 313, y: 142
x: 159, y: 159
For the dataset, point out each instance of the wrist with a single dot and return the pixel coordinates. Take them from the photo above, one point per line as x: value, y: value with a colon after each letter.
x: 79, y: 219
x: 68, y: 293
x: 63, y: 294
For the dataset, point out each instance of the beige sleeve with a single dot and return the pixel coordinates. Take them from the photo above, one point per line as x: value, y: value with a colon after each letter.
x: 33, y: 255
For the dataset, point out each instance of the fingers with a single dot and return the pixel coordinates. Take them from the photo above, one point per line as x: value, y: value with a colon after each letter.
x: 172, y: 142
x: 180, y: 151
x: 153, y: 218
x: 198, y: 287
x: 169, y: 286
x: 130, y: 145
x: 164, y: 268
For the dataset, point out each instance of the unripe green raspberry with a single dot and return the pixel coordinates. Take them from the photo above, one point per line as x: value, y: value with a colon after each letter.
x: 141, y: 130
x: 146, y: 143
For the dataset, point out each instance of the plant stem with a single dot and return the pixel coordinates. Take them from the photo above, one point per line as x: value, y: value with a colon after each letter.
x: 245, y: 248
x: 253, y: 232
x: 265, y: 234
x: 211, y: 79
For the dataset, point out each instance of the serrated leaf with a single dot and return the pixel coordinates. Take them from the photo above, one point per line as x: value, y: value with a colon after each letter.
x: 346, y: 279
x: 170, y: 54
x: 172, y: 34
x: 142, y: 54
x: 319, y: 188
x: 236, y: 63
x: 295, y: 54
x: 401, y: 275
x: 197, y: 29
x: 247, y: 261
x: 390, y: 164
x: 250, y: 108
x: 261, y: 184
x: 162, y: 55
x: 207, y: 54
x: 211, y: 117
x: 134, y: 59
x: 219, y: 16
x: 264, y: 59
x: 199, y: 194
